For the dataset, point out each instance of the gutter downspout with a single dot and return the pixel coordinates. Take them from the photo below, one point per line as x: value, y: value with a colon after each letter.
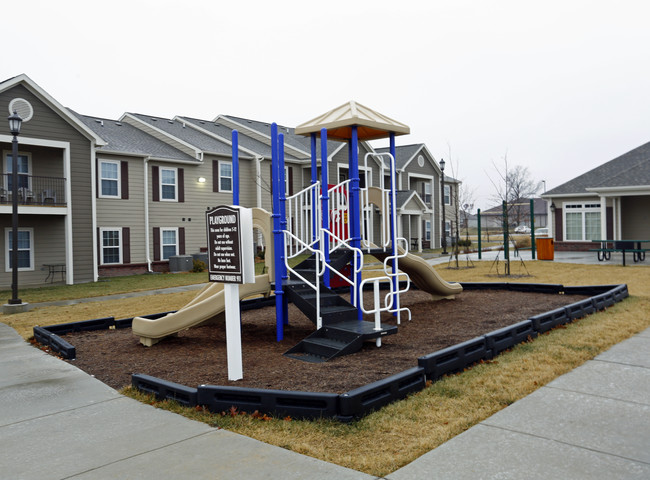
x: 146, y: 214
x: 258, y: 178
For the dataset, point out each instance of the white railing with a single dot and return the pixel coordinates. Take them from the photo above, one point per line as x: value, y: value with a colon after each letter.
x: 319, y: 268
x: 395, y: 291
x: 300, y: 222
x: 339, y: 203
x: 357, y: 264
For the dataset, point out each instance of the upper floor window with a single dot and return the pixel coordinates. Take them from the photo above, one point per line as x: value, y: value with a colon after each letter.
x: 225, y: 176
x: 426, y: 192
x: 168, y: 184
x: 447, y: 194
x: 109, y: 179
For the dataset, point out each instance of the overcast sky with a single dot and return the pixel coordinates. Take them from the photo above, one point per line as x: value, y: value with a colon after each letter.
x: 558, y: 86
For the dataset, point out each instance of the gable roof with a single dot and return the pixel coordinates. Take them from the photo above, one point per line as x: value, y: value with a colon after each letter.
x: 632, y: 169
x: 126, y: 139
x: 406, y: 153
x: 45, y: 97
x: 403, y: 197
x: 370, y: 124
x: 539, y: 207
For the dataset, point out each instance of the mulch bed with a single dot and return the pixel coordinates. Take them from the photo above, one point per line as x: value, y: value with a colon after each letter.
x: 198, y: 356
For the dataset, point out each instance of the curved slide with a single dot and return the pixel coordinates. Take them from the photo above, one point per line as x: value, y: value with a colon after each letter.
x: 424, y: 275
x: 209, y: 302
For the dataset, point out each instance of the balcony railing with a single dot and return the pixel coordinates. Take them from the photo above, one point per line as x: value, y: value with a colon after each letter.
x: 33, y: 190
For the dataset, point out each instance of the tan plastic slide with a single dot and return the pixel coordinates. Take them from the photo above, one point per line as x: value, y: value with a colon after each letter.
x: 209, y: 302
x: 425, y: 276
x: 420, y: 272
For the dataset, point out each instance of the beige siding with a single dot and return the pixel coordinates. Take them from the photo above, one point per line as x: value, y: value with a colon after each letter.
x: 634, y: 218
x: 118, y: 212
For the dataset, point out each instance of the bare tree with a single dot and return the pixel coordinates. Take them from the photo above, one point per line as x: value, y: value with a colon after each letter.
x: 513, y: 190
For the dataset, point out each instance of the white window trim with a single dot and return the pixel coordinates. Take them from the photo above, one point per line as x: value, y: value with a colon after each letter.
x: 162, y: 245
x: 427, y: 230
x: 118, y: 180
x: 120, y: 247
x: 6, y: 154
x: 582, y: 208
x: 225, y: 162
x: 287, y: 192
x: 366, y: 170
x: 445, y: 188
x: 8, y: 232
x: 162, y: 199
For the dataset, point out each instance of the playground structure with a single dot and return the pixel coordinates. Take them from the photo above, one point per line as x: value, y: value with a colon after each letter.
x: 329, y: 226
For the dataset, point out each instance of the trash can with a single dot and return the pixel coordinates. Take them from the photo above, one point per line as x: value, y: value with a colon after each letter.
x: 545, y: 250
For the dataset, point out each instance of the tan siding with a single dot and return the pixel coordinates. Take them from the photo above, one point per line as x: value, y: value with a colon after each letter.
x: 634, y: 218
x: 117, y: 212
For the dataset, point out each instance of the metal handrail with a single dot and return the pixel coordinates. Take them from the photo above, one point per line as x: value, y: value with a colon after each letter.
x: 318, y: 271
x: 339, y: 201
x: 299, y: 208
x: 358, y: 262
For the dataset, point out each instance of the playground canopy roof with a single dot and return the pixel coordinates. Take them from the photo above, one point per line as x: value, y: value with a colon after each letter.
x: 370, y: 125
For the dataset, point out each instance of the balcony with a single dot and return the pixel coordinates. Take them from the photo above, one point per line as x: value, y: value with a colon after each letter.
x: 34, y: 190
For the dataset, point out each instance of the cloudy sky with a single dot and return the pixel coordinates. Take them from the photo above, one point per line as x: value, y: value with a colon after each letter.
x: 557, y: 86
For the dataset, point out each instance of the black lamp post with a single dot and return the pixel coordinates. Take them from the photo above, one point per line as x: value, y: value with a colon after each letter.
x: 442, y: 198
x: 14, y: 127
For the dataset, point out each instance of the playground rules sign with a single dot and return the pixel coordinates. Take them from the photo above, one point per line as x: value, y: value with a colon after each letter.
x: 230, y: 234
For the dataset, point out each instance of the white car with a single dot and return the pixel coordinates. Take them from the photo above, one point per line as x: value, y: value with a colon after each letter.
x: 541, y: 232
x: 522, y: 229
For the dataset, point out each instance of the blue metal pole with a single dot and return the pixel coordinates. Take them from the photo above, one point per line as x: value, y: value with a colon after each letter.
x: 314, y: 179
x: 278, y: 249
x: 235, y: 167
x: 393, y: 233
x: 353, y: 208
x: 325, y: 213
x: 283, y: 221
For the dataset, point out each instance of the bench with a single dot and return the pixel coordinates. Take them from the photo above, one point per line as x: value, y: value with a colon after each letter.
x: 623, y: 246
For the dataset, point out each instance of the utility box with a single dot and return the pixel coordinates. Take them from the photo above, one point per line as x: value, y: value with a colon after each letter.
x: 180, y: 263
x: 545, y: 248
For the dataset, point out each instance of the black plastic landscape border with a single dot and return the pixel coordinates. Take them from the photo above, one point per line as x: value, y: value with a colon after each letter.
x: 359, y: 402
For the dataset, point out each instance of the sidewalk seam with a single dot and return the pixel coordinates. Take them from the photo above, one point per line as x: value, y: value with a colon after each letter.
x: 641, y: 462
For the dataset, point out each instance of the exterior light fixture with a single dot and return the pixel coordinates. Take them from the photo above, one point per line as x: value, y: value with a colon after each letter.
x: 201, y: 179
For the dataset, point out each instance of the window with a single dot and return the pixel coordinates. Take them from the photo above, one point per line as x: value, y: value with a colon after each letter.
x: 426, y: 193
x: 225, y: 176
x: 24, y: 169
x: 427, y: 230
x: 109, y: 179
x: 447, y: 228
x: 447, y: 194
x: 168, y: 184
x: 364, y: 173
x: 168, y: 242
x: 25, y: 249
x: 111, y: 242
x: 582, y: 221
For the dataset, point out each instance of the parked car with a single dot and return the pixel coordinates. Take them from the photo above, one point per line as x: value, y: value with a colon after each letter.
x: 541, y: 232
x: 522, y: 229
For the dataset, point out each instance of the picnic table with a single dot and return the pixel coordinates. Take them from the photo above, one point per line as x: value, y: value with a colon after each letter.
x: 606, y: 248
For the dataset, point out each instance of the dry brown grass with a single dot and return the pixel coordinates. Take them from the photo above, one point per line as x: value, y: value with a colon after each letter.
x: 399, y: 433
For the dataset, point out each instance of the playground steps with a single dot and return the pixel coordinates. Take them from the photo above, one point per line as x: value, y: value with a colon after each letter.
x: 336, y: 340
x: 342, y: 333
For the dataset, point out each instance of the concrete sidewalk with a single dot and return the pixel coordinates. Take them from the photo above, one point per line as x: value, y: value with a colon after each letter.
x: 57, y: 422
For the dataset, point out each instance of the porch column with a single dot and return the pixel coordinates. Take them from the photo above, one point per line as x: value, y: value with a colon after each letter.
x: 419, y: 217
x: 603, y: 218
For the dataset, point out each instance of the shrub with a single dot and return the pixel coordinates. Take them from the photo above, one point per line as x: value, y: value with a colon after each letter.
x: 198, y: 266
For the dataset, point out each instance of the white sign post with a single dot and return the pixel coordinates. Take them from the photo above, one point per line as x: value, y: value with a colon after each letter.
x: 231, y: 261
